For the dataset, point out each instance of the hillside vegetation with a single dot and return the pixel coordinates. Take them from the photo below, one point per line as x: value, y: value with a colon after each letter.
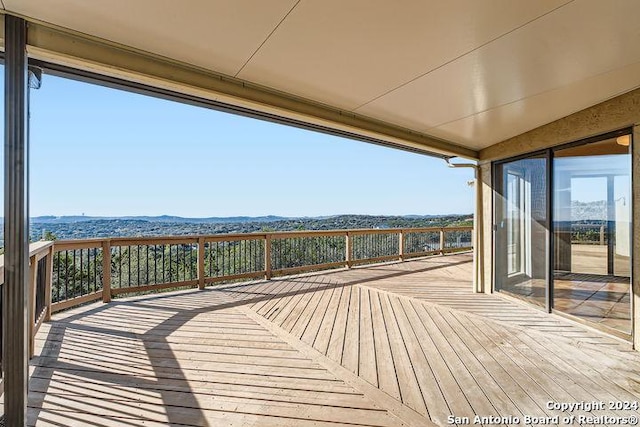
x: 152, y: 226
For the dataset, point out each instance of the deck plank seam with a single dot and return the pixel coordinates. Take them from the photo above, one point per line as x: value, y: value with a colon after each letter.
x: 404, y: 414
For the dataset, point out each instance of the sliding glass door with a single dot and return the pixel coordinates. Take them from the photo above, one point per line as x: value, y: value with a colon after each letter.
x: 581, y: 266
x: 592, y: 232
x: 521, y: 228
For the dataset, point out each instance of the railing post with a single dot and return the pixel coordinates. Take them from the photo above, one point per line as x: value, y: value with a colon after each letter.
x: 267, y: 256
x: 33, y: 278
x: 473, y: 239
x: 401, y: 245
x: 106, y: 271
x: 442, y: 241
x: 48, y: 283
x: 201, y: 272
x: 602, y: 235
x: 347, y: 249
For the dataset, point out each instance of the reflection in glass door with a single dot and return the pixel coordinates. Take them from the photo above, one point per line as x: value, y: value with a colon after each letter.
x: 521, y: 228
x: 592, y: 232
x: 515, y: 227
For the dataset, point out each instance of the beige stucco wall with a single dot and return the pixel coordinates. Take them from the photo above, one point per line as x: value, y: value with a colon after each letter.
x: 487, y: 228
x: 615, y: 114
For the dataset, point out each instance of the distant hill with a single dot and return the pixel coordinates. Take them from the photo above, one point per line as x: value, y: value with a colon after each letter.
x: 68, y: 219
x: 83, y: 227
x: 49, y: 219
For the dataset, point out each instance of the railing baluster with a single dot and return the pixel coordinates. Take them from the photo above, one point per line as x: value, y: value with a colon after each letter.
x: 180, y: 263
x: 88, y: 261
x: 347, y: 250
x: 67, y: 280
x: 106, y: 271
x: 58, y: 281
x: 119, y: 266
x: 201, y: 273
x: 267, y: 257
x: 138, y: 264
x: 226, y: 263
x: 92, y: 260
x: 73, y: 274
x: 243, y: 243
x: 249, y: 256
x: 146, y: 264
x: 48, y: 281
x: 249, y: 248
x: 96, y: 284
x: 33, y: 273
x: 128, y: 250
x: 186, y: 253
x: 84, y: 254
x: 164, y: 268
x: 214, y: 252
x: 170, y: 264
x: 81, y: 271
x: 155, y: 264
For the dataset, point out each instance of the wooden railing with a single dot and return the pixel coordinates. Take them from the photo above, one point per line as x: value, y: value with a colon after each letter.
x: 64, y: 274
x: 40, y: 263
x: 145, y: 264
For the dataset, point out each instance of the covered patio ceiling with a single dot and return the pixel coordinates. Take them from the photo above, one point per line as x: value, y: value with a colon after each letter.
x: 445, y: 77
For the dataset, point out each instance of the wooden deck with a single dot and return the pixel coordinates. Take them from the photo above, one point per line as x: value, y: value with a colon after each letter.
x: 387, y: 345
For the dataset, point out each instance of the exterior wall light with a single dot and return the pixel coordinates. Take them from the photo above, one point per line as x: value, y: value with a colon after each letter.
x: 624, y: 140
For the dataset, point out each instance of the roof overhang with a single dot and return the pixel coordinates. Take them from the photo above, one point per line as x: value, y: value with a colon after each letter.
x: 447, y: 78
x: 77, y: 55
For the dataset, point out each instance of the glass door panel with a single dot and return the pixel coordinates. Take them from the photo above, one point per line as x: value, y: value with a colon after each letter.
x: 521, y: 228
x: 515, y: 226
x: 592, y: 232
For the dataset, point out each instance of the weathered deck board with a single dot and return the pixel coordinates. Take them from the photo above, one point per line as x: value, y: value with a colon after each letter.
x: 395, y: 344
x: 498, y: 355
x: 323, y: 337
x: 447, y: 287
x: 367, y: 356
x: 387, y: 377
x: 207, y: 365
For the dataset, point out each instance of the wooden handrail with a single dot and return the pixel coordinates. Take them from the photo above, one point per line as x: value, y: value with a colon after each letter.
x: 124, y: 241
x: 37, y: 252
x: 280, y: 252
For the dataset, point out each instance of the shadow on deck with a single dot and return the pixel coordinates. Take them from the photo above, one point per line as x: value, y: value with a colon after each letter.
x: 386, y: 345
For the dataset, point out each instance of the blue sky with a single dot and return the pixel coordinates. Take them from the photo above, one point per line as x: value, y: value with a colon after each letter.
x: 98, y: 151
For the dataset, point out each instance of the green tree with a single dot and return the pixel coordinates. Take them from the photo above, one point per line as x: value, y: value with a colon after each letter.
x: 49, y: 236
